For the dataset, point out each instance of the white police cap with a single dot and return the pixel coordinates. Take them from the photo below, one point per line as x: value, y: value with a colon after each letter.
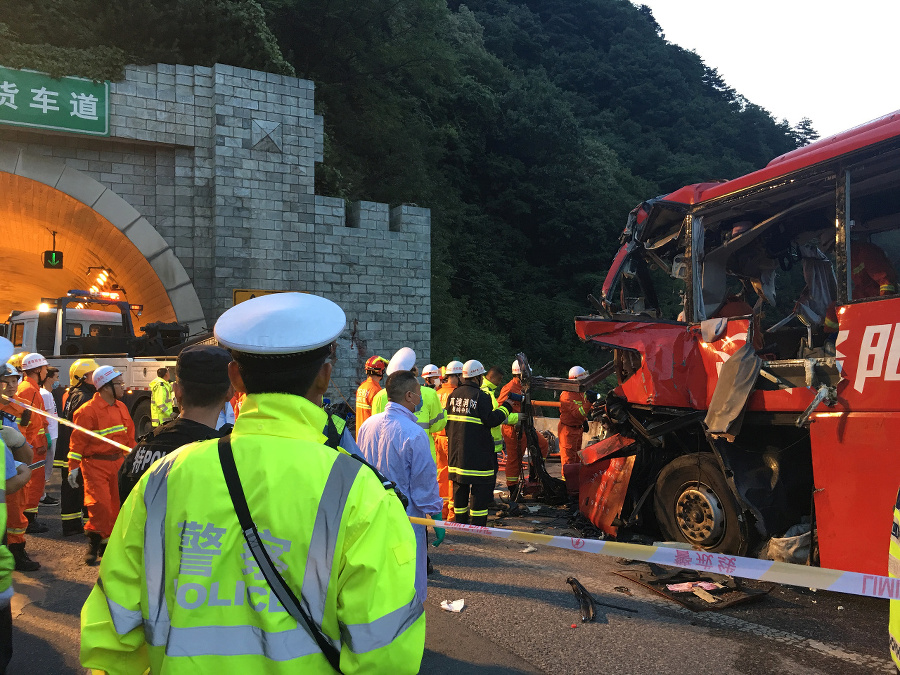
x: 281, y: 323
x: 404, y: 359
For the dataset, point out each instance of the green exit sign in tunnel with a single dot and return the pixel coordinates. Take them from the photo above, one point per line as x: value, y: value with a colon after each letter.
x: 53, y: 260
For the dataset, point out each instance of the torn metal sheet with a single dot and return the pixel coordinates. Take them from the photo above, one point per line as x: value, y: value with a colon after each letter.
x: 726, y: 597
x: 736, y: 382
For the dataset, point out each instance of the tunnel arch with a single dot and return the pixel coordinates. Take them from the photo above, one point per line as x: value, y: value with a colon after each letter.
x: 94, y: 227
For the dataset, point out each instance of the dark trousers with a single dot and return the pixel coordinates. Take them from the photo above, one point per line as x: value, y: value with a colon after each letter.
x: 71, y: 503
x: 5, y: 638
x: 482, y: 495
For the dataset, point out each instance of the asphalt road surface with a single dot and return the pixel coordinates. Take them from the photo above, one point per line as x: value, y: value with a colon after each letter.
x: 520, y: 616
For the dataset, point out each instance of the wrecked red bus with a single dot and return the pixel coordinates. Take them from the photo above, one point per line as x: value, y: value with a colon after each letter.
x: 755, y: 331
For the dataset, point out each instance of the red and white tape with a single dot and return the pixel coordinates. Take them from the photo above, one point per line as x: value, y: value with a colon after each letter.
x: 855, y: 583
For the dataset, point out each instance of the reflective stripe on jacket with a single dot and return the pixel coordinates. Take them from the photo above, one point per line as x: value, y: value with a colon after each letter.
x: 894, y: 571
x: 470, y: 446
x: 178, y: 591
x: 36, y: 431
x: 110, y: 421
x: 490, y: 389
x: 364, y: 395
x: 162, y: 401
x: 6, y: 558
x: 573, y: 409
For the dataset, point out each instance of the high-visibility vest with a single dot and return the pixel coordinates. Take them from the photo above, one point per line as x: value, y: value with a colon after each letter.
x: 162, y: 401
x: 894, y: 571
x: 179, y: 592
x: 490, y: 389
x: 6, y: 559
x: 431, y: 416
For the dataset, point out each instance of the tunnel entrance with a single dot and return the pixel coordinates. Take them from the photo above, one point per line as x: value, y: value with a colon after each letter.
x: 106, y: 245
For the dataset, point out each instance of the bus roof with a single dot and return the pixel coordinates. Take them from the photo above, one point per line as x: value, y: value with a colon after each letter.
x: 877, y: 130
x: 97, y: 315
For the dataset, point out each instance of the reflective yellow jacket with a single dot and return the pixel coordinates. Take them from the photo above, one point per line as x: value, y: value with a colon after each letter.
x: 490, y: 389
x: 894, y: 571
x: 431, y: 415
x: 179, y: 592
x: 162, y: 401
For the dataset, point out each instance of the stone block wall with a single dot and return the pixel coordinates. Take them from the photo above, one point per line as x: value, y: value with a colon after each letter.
x: 221, y: 161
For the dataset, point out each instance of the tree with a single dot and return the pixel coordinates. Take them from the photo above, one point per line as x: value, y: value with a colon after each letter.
x: 804, y: 133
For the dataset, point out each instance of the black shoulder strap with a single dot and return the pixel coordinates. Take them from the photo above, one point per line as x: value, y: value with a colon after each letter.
x: 276, y: 582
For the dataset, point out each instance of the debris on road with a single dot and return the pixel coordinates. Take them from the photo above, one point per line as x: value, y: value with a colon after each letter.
x: 623, y: 589
x: 588, y: 603
x: 690, y: 588
x: 455, y: 606
x: 529, y: 549
x: 585, y: 601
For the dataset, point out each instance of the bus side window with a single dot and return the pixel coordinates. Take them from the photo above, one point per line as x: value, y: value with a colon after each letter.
x: 18, y: 333
x: 73, y: 330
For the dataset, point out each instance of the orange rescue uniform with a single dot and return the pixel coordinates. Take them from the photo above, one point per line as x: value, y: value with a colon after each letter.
x: 573, y: 409
x: 364, y: 395
x: 99, y: 461
x: 515, y: 443
x: 871, y: 272
x: 440, y: 447
x: 36, y: 434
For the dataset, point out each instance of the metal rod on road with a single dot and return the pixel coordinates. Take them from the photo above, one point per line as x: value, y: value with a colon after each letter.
x: 66, y: 422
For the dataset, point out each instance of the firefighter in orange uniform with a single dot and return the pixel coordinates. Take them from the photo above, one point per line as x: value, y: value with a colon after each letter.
x: 106, y: 415
x: 34, y: 367
x: 573, y: 413
x: 452, y: 373
x: 16, y: 522
x: 871, y: 273
x: 514, y: 440
x: 366, y: 392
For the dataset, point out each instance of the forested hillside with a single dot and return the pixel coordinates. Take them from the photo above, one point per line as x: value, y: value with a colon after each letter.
x: 530, y: 128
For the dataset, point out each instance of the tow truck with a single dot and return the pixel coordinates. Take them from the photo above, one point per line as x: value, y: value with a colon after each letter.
x: 99, y: 325
x: 757, y: 374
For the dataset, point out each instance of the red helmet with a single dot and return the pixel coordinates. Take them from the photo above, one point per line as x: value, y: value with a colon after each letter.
x: 376, y: 365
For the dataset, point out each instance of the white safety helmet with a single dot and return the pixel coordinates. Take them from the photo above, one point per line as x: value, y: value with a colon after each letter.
x: 33, y: 360
x: 430, y: 371
x: 403, y: 359
x: 576, y: 371
x: 104, y: 375
x: 516, y: 370
x: 454, y: 368
x: 472, y: 368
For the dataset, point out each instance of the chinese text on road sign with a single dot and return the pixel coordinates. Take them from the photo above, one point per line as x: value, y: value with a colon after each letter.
x: 31, y: 99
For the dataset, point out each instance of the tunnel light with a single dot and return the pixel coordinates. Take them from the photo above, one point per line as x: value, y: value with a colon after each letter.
x: 43, y: 307
x: 94, y: 289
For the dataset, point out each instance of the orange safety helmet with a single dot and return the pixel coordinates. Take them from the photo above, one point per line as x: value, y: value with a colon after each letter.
x: 376, y: 365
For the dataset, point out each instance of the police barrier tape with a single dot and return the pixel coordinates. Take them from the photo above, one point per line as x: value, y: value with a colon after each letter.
x: 66, y: 422
x: 855, y: 583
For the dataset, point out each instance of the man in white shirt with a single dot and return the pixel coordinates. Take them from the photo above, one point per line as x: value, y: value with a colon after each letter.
x: 395, y: 444
x: 50, y: 383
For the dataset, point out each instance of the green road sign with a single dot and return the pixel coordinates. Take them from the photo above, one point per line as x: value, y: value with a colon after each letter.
x: 31, y: 99
x: 53, y: 260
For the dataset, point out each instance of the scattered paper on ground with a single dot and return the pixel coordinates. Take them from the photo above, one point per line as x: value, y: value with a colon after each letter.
x: 453, y: 605
x: 529, y: 549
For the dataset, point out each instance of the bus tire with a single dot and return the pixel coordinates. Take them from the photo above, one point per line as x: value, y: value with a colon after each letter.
x: 141, y: 417
x: 693, y: 504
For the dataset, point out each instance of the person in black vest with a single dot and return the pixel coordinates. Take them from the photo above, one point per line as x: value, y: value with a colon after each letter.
x: 202, y: 389
x: 471, y: 456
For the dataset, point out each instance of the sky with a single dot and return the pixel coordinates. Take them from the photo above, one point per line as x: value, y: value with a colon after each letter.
x: 833, y: 62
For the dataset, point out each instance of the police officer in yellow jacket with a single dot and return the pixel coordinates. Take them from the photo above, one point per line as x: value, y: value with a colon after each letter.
x: 180, y: 591
x: 162, y: 398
